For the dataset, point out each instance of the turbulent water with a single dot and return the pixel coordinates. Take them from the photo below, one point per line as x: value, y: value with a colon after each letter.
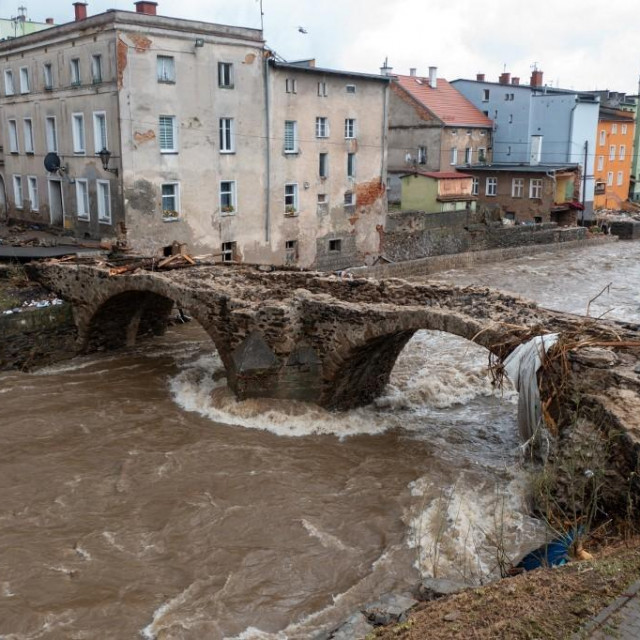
x: 139, y: 499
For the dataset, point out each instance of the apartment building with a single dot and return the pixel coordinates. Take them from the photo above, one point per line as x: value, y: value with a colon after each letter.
x: 177, y: 130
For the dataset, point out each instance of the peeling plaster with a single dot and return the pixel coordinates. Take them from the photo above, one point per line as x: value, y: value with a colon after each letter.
x: 144, y: 136
x: 141, y: 43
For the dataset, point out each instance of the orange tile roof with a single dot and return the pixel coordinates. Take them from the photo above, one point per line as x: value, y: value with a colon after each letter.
x: 445, y: 102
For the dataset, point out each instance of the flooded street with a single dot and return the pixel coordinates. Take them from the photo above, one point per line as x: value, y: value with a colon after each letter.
x: 140, y: 500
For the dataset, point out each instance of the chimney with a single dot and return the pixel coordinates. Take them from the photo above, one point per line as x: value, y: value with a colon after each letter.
x: 81, y: 10
x: 480, y: 77
x: 49, y: 20
x: 515, y: 80
x: 412, y: 72
x: 385, y: 69
x: 145, y: 6
x: 536, y: 78
x: 433, y: 77
x: 504, y: 78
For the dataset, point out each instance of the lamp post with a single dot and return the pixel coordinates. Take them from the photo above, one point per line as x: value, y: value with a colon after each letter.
x: 105, y: 156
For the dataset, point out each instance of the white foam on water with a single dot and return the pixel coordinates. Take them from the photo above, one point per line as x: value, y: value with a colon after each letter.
x: 327, y: 540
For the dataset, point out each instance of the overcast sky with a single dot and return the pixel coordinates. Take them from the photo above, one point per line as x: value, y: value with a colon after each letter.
x: 581, y: 44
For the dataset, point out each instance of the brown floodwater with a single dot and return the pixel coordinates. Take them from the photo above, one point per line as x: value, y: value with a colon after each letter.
x: 140, y: 500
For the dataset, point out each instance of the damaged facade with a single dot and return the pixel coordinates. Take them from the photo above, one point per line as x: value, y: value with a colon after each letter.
x: 211, y: 141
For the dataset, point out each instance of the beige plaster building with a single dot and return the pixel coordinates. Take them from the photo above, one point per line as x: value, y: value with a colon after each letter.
x: 206, y: 139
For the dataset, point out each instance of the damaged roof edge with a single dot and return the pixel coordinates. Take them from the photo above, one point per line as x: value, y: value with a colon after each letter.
x: 323, y: 71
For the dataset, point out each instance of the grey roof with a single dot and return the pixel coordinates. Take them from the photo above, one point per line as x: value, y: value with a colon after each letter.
x: 518, y: 168
x: 336, y: 72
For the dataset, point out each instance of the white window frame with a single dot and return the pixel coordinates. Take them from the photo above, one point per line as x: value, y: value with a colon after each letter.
x: 74, y: 72
x: 51, y: 133
x: 322, y: 127
x: 485, y: 95
x: 165, y: 123
x: 535, y: 189
x: 350, y: 128
x: 623, y: 152
x: 291, y: 208
x: 351, y: 166
x: 98, y: 143
x: 517, y: 188
x: 620, y: 178
x: 600, y: 163
x: 25, y: 84
x: 225, y: 75
x: 228, y: 250
x: 609, y: 178
x: 475, y: 186
x: 614, y: 128
x: 9, y: 85
x: 176, y: 195
x: 612, y: 152
x: 322, y: 89
x: 468, y: 155
x: 83, y: 211
x: 165, y: 69
x: 422, y: 155
x: 491, y: 186
x: 454, y: 156
x: 104, y: 212
x: 291, y: 85
x: 47, y: 75
x: 27, y: 130
x: 293, y: 138
x: 224, y: 210
x: 78, y: 133
x: 323, y: 165
x: 349, y: 198
x: 96, y: 68
x: 14, y: 142
x: 227, y: 135
x: 623, y: 129
x: 18, y: 196
x: 603, y: 137
x: 32, y: 190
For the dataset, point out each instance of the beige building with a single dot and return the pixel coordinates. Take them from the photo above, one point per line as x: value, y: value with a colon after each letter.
x: 205, y: 137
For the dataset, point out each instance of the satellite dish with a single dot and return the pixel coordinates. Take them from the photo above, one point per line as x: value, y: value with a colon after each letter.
x: 52, y: 162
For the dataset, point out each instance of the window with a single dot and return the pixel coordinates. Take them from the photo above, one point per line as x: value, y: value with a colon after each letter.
x: 322, y: 198
x: 24, y: 80
x: 82, y: 199
x: 610, y: 178
x: 290, y: 198
x: 323, y: 165
x: 291, y: 251
x: 227, y: 196
x: 600, y: 163
x: 623, y: 129
x: 322, y: 89
x: 475, y: 186
x: 9, y: 88
x: 322, y: 127
x: 535, y: 188
x: 32, y: 187
x: 228, y: 251
x: 349, y: 199
x: 77, y: 127
x: 454, y: 156
x: 335, y: 246
x: 485, y: 95
x: 17, y: 191
x: 468, y: 155
x: 351, y: 88
x: 225, y: 75
x: 100, y: 131
x: 612, y: 152
x: 47, y: 71
x: 491, y: 187
x: 603, y: 135
x: 350, y: 128
x: 323, y: 204
x: 614, y: 128
x: 536, y: 149
x: 422, y: 155
x: 96, y: 68
x: 166, y: 69
x: 51, y: 134
x: 227, y: 138
x: 167, y: 134
x: 104, y: 201
x: 290, y: 136
x: 291, y: 85
x: 517, y: 188
x: 620, y: 178
x: 623, y: 152
x: 510, y: 215
x: 482, y: 154
x: 28, y: 135
x: 351, y: 165
x: 13, y: 137
x: 75, y: 71
x: 170, y: 201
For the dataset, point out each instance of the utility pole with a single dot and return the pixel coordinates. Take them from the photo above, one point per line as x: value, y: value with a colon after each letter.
x: 584, y: 180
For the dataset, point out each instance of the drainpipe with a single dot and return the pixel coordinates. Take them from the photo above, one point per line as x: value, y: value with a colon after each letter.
x: 570, y: 141
x: 267, y: 100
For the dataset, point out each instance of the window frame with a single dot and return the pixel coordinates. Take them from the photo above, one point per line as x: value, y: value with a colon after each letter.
x: 349, y: 201
x: 78, y: 133
x: 96, y: 68
x: 603, y: 138
x: 475, y: 186
x: 468, y: 155
x: 293, y: 138
x: 25, y: 81
x: 14, y: 141
x: 535, y: 189
x: 75, y: 76
x: 173, y: 121
x: 227, y: 135
x: 165, y: 69
x: 350, y: 129
x: 47, y: 76
x: 623, y: 129
x: 228, y: 251
x: 97, y: 132
x: 322, y: 127
x: 33, y: 193
x: 620, y: 178
x: 232, y: 207
x: 226, y: 79
x: 614, y: 128
x: 291, y: 85
x: 600, y: 163
x: 177, y: 197
x: 609, y: 178
x: 453, y: 160
x: 323, y: 165
x: 422, y: 155
x: 51, y: 148
x: 491, y: 186
x: 29, y: 140
x: 622, y: 152
x: 291, y: 208
x: 84, y: 215
x: 9, y: 83
x: 104, y: 217
x: 612, y: 152
x: 322, y: 89
x: 17, y: 191
x: 486, y: 93
x: 517, y: 187
x: 351, y: 165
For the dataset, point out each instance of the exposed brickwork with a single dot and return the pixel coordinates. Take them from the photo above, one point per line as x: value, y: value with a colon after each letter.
x: 141, y: 43
x: 144, y: 136
x: 121, y: 60
x: 367, y: 193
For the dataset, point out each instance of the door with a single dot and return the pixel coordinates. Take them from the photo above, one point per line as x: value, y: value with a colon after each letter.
x: 56, y: 204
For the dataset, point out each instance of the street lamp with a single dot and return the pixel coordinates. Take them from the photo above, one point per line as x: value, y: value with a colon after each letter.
x: 105, y: 156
